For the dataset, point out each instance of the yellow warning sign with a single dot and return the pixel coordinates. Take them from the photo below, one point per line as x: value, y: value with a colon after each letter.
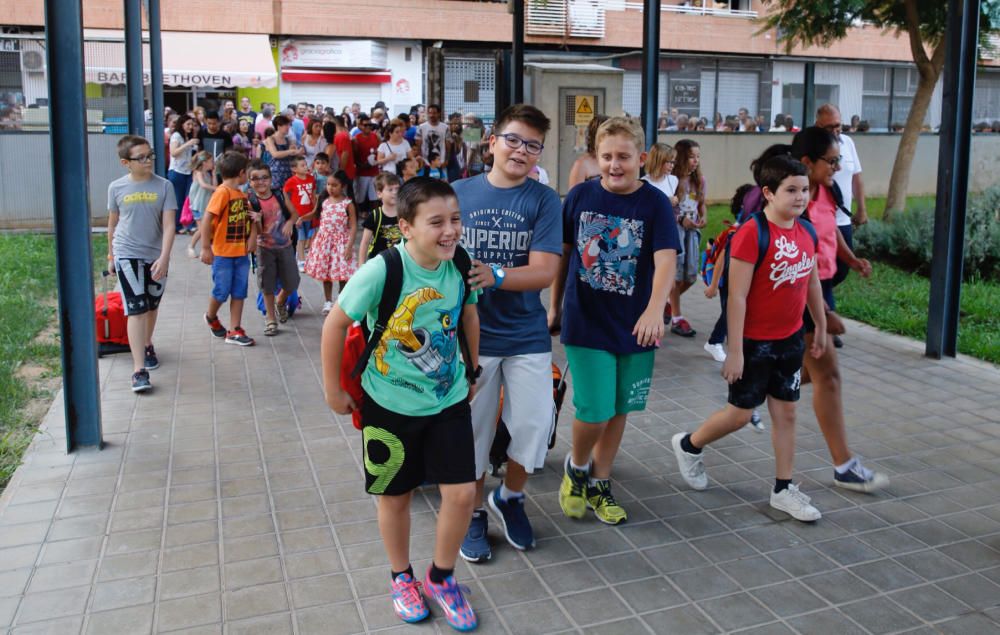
x: 584, y: 111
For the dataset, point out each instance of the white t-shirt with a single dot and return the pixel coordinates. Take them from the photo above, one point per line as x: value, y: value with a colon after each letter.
x: 432, y: 137
x: 400, y: 151
x: 667, y: 184
x: 850, y: 164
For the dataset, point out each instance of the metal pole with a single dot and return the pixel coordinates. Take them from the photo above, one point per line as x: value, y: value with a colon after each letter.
x: 156, y: 84
x: 133, y: 66
x: 650, y: 67
x: 961, y: 42
x: 68, y: 146
x: 809, y: 94
x: 517, y: 54
x: 892, y: 98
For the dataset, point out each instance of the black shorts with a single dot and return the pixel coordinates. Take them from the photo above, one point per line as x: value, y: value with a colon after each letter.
x: 831, y: 303
x: 770, y: 367
x: 402, y: 452
x: 140, y: 293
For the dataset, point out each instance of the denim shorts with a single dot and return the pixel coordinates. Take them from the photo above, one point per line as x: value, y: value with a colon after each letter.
x: 306, y: 231
x: 229, y: 277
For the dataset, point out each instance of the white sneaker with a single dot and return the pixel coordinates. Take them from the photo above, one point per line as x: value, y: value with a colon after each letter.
x: 327, y: 307
x: 190, y: 252
x: 692, y: 466
x: 717, y: 351
x: 755, y: 422
x: 302, y: 266
x: 795, y: 504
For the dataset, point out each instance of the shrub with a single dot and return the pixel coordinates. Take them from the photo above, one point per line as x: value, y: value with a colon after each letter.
x: 908, y: 241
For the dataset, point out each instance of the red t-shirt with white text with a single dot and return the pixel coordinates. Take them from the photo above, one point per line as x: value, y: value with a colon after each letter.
x: 777, y: 297
x: 303, y: 193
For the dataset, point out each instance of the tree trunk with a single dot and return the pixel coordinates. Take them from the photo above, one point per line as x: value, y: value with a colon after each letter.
x: 900, y: 178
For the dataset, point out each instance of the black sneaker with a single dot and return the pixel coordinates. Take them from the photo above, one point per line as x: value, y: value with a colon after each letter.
x: 859, y: 478
x: 140, y: 381
x: 837, y: 342
x: 216, y: 326
x: 239, y: 337
x: 152, y: 361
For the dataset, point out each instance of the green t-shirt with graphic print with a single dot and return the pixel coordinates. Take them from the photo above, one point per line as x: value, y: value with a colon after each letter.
x: 417, y: 369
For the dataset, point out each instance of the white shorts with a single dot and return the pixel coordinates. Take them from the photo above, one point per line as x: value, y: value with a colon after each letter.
x: 528, y: 408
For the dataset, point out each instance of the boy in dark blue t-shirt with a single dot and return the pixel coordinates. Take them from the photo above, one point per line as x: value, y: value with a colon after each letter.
x: 619, y: 257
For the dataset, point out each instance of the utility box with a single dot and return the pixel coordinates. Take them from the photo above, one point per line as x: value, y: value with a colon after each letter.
x: 570, y: 94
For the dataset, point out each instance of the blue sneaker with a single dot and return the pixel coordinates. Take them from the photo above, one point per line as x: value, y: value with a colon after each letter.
x: 475, y: 546
x: 515, y: 523
x: 407, y: 600
x: 451, y: 598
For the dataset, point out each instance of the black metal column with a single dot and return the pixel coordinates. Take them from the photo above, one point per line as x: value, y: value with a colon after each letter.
x: 650, y: 67
x: 133, y: 66
x: 517, y: 54
x: 961, y: 42
x: 808, y: 94
x: 156, y: 84
x: 68, y: 144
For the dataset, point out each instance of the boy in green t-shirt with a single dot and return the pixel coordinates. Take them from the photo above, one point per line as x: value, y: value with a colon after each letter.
x: 417, y: 394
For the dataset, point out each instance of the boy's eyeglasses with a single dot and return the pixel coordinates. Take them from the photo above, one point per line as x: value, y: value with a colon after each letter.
x: 514, y: 142
x: 834, y: 162
x: 145, y: 158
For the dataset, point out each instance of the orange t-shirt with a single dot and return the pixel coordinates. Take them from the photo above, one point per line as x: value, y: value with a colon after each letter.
x: 232, y: 222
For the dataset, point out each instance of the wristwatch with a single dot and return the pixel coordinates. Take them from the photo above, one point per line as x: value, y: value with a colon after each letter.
x: 477, y: 374
x: 499, y: 275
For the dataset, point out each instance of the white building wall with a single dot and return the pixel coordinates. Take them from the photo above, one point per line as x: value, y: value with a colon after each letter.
x: 407, y: 86
x: 849, y: 78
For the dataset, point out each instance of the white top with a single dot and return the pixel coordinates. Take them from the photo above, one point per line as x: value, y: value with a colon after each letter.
x: 432, y: 137
x: 667, y: 184
x: 850, y: 164
x: 180, y: 164
x: 400, y: 151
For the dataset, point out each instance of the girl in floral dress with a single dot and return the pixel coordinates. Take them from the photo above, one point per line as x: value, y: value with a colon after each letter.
x: 331, y: 257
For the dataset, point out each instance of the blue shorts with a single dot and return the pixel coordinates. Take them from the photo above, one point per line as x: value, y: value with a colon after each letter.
x: 196, y: 214
x: 229, y: 277
x: 306, y: 231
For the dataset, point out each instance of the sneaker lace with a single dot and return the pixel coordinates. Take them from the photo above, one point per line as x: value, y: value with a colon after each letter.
x: 862, y: 471
x: 697, y: 468
x: 798, y: 496
x: 605, y: 497
x: 409, y: 593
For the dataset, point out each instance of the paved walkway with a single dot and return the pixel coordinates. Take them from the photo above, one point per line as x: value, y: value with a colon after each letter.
x: 229, y: 500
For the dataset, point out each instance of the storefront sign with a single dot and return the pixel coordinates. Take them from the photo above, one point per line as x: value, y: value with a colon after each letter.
x: 685, y: 93
x: 332, y: 54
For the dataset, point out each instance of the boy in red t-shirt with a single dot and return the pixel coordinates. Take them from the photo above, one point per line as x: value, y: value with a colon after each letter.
x: 766, y: 342
x: 301, y: 195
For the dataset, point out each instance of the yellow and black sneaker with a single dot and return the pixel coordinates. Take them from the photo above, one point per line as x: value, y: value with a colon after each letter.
x: 602, y: 501
x: 572, y: 491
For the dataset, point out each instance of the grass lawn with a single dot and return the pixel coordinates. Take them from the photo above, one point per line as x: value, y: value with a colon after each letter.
x: 28, y: 360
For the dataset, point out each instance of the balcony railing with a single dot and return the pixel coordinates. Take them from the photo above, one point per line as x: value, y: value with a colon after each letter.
x: 572, y: 18
x: 706, y: 7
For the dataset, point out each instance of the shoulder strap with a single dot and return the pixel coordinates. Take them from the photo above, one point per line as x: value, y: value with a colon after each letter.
x: 386, y: 305
x: 378, y: 226
x: 463, y: 262
x: 763, y: 238
x: 810, y: 230
x: 254, y: 201
x: 280, y: 197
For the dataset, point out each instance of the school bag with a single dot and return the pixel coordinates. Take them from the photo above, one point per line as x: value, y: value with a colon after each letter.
x: 764, y: 239
x: 294, y: 301
x: 112, y: 323
x: 379, y: 215
x: 501, y: 441
x: 360, y: 343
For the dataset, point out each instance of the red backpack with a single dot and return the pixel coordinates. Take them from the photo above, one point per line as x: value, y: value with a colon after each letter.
x: 360, y: 344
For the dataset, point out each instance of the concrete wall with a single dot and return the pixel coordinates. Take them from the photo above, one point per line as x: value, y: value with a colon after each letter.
x: 726, y: 160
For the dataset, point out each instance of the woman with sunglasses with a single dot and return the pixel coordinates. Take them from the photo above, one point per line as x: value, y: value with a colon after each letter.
x: 819, y: 151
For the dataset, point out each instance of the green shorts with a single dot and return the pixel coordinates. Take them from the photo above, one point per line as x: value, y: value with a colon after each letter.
x: 605, y: 384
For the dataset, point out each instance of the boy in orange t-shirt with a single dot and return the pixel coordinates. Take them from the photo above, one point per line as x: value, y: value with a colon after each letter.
x: 301, y: 195
x: 226, y: 234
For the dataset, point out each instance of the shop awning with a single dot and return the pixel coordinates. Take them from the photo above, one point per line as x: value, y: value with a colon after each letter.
x: 204, y: 60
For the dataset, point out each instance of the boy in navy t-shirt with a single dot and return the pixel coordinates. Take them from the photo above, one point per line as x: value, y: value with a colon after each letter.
x: 766, y: 343
x: 511, y: 227
x: 619, y: 257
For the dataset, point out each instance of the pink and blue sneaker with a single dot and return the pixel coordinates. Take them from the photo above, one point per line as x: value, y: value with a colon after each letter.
x: 408, y: 600
x: 448, y: 595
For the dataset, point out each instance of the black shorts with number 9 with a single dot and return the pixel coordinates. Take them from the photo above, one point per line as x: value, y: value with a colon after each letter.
x: 770, y: 367
x: 402, y: 452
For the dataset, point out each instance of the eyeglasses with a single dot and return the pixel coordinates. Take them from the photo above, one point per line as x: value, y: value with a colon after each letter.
x: 256, y: 179
x: 834, y: 162
x: 145, y: 158
x: 514, y: 142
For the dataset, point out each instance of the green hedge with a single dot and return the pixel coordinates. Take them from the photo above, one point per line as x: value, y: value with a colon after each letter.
x: 908, y: 241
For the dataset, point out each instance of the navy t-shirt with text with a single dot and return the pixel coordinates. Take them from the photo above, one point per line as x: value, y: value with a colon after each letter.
x: 500, y: 226
x: 610, y: 277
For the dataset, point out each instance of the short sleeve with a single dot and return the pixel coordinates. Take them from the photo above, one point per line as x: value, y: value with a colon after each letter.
x: 857, y: 157
x: 113, y: 198
x: 369, y: 222
x: 569, y: 217
x: 743, y: 244
x: 218, y: 203
x: 169, y: 198
x: 665, y: 234
x: 288, y: 186
x: 361, y: 295
x: 547, y: 234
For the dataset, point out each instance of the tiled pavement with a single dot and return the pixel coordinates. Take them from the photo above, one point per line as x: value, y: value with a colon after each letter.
x: 229, y: 500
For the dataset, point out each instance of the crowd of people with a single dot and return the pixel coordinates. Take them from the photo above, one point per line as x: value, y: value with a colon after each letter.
x: 458, y: 346
x: 743, y: 121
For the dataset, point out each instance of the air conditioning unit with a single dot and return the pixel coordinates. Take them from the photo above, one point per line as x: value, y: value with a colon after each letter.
x: 32, y: 62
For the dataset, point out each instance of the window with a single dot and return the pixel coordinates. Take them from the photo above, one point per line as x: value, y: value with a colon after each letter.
x: 888, y: 95
x: 793, y: 99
